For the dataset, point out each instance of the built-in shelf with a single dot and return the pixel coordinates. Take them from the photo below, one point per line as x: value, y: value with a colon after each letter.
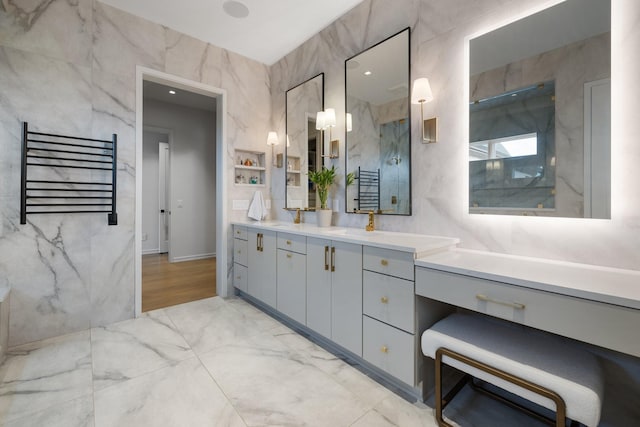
x: 293, y: 172
x: 249, y: 167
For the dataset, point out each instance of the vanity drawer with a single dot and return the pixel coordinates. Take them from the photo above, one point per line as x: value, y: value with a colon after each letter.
x: 389, y: 299
x: 240, y: 277
x: 240, y: 251
x: 292, y: 242
x: 388, y: 348
x: 388, y: 261
x: 581, y: 319
x: 240, y: 232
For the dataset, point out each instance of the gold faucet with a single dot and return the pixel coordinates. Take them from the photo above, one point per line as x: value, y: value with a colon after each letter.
x: 370, y: 226
x: 296, y: 220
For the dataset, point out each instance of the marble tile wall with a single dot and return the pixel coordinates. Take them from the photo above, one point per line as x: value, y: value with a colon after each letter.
x: 69, y: 67
x: 440, y: 171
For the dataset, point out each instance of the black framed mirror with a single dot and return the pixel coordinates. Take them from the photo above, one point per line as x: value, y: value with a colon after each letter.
x: 378, y: 137
x: 303, y: 142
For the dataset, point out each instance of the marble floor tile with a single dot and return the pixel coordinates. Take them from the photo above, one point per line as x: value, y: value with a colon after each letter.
x: 75, y: 413
x: 366, y: 389
x: 270, y: 384
x: 178, y: 395
x: 45, y: 374
x: 213, y: 322
x: 135, y: 347
x: 395, y: 411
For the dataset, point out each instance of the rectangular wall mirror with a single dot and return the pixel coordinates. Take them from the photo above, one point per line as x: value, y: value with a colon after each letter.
x: 540, y: 114
x: 378, y: 140
x: 303, y: 143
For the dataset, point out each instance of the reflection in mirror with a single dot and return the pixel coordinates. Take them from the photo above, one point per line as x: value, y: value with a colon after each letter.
x: 379, y: 144
x: 540, y: 114
x: 304, y: 142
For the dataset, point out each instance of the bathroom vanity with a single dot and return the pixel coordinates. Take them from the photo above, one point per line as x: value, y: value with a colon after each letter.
x: 350, y: 288
x: 372, y: 294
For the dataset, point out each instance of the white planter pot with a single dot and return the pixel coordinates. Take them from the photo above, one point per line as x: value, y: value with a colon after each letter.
x: 324, y: 217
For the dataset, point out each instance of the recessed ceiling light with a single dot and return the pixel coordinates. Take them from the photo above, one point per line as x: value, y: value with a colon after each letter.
x: 235, y: 9
x: 172, y: 92
x: 367, y: 73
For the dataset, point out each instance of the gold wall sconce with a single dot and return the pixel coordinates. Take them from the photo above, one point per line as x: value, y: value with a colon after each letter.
x: 326, y: 120
x: 272, y: 140
x: 421, y: 94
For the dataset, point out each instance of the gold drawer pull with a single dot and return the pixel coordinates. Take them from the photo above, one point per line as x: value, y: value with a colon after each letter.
x: 289, y: 255
x: 384, y: 262
x: 384, y: 300
x: 238, y: 277
x: 384, y: 349
x: 237, y: 231
x: 288, y: 242
x: 516, y: 305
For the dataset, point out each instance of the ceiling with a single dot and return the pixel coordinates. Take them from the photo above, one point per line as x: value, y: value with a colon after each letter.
x: 160, y: 92
x: 272, y: 29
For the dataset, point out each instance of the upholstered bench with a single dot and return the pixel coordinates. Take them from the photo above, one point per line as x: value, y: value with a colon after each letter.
x: 537, y: 366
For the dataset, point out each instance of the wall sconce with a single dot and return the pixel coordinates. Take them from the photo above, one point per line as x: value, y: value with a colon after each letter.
x: 420, y: 94
x: 349, y: 122
x: 326, y: 120
x: 272, y: 140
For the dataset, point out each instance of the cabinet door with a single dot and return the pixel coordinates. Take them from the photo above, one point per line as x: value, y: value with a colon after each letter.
x: 346, y: 296
x: 291, y: 289
x: 262, y: 265
x: 319, y: 286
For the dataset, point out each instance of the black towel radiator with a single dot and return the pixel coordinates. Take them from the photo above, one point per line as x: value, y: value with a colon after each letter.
x: 368, y: 190
x: 60, y: 196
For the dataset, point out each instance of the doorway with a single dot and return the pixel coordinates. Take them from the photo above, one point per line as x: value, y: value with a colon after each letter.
x: 178, y: 225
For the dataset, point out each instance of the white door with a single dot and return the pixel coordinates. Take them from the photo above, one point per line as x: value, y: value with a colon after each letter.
x: 163, y: 197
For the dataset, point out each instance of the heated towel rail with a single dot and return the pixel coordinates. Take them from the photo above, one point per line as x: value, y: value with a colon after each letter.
x: 85, y: 187
x: 368, y: 190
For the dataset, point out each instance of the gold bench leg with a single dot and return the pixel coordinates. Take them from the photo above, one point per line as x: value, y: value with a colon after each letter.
x: 561, y: 409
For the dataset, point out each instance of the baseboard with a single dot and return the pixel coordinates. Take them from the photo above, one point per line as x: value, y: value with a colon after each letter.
x: 193, y: 257
x: 150, y: 251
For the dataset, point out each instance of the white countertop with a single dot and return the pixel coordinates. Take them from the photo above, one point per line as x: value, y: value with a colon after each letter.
x: 418, y: 244
x: 602, y: 284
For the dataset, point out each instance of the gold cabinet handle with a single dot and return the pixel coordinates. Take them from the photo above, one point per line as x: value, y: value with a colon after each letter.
x: 238, y: 277
x: 258, y: 242
x: 384, y: 262
x: 289, y: 255
x: 326, y: 258
x: 384, y: 300
x: 384, y: 349
x: 516, y: 305
x: 288, y: 242
x: 333, y: 258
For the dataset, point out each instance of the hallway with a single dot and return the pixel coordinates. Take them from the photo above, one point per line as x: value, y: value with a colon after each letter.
x: 165, y: 284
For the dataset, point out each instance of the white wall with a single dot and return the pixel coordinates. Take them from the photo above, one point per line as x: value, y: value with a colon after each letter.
x: 70, y: 67
x: 440, y: 171
x: 150, y: 188
x: 192, y: 159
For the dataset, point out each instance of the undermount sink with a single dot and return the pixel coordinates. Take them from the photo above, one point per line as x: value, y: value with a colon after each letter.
x: 350, y: 232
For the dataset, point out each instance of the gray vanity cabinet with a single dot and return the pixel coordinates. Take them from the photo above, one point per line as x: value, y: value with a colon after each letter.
x: 240, y: 258
x: 261, y: 276
x: 334, y: 291
x: 292, y: 276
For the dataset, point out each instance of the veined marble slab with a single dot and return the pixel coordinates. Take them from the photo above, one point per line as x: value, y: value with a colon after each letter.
x: 592, y: 282
x: 418, y: 244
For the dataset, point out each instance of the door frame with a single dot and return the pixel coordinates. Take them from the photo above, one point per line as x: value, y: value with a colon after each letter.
x: 222, y: 221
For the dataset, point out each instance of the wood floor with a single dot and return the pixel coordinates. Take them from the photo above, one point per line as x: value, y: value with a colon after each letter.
x: 165, y: 284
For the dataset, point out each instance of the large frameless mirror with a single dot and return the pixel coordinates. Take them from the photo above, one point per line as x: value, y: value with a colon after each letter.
x: 378, y: 141
x: 303, y: 142
x: 540, y: 114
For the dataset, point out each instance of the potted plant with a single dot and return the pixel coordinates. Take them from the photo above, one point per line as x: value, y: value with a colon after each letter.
x: 323, y: 179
